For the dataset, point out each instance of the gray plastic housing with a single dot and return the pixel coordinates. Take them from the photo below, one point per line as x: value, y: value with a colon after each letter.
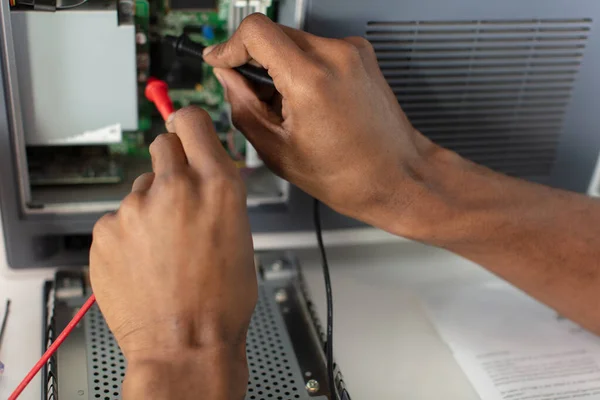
x: 510, y: 84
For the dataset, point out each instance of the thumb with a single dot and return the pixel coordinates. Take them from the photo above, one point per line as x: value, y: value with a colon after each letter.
x: 249, y: 114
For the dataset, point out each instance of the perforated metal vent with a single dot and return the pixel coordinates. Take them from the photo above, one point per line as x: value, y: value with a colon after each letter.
x: 495, y: 91
x: 274, y: 370
x: 106, y: 364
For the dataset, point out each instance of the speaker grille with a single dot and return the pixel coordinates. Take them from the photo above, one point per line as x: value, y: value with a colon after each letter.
x: 274, y: 369
x: 495, y: 91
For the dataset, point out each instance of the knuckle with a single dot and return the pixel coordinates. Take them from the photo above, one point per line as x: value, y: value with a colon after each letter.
x: 131, y: 204
x: 192, y: 115
x: 361, y: 43
x: 253, y: 22
x: 158, y: 142
x: 349, y: 52
x: 102, y: 229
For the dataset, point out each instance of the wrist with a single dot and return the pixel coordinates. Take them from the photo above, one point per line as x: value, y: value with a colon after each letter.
x: 431, y: 199
x: 214, y: 373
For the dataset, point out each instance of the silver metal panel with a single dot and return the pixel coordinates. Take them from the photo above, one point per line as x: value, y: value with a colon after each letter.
x: 76, y: 75
x: 275, y: 371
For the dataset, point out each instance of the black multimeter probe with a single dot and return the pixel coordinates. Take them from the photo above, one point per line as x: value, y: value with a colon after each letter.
x: 184, y: 46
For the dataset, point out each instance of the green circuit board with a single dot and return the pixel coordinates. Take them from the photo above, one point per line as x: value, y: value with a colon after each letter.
x: 207, y: 92
x: 155, y: 19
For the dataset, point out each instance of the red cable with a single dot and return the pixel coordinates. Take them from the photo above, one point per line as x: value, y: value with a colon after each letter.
x: 53, y: 347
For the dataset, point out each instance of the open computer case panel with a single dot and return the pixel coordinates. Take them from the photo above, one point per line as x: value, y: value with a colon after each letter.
x: 511, y: 85
x: 75, y: 125
x: 284, y: 346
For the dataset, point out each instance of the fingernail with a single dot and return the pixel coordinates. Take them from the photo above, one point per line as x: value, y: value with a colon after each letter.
x: 222, y: 82
x: 169, y: 122
x: 208, y: 49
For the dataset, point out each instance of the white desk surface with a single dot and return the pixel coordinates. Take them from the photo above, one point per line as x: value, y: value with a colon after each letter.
x: 384, y: 343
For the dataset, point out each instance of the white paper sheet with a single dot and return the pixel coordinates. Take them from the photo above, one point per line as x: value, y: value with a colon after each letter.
x: 513, y: 348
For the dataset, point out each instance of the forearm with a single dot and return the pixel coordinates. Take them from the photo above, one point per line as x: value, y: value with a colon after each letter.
x: 543, y: 240
x: 213, y: 374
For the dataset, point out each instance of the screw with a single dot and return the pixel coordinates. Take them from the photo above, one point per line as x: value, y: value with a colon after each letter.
x: 277, y: 266
x: 281, y: 296
x: 80, y: 392
x: 312, y: 386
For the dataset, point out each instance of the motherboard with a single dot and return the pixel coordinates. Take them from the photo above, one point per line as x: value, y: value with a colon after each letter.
x: 191, y: 82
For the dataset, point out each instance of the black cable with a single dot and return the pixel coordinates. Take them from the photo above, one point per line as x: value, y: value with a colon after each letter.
x: 4, y: 320
x: 329, y: 294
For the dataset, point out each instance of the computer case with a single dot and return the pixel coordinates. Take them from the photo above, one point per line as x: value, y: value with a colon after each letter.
x: 511, y: 85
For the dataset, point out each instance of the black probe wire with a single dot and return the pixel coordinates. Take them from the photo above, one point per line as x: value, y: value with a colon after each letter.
x: 329, y: 295
x: 4, y: 320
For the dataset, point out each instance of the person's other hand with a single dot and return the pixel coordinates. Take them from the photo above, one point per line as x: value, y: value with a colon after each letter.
x: 173, y: 270
x: 334, y: 128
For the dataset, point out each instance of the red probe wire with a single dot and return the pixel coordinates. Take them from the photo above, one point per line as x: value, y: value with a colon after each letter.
x: 53, y: 347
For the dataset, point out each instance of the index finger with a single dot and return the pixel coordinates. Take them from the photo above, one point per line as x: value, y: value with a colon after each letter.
x: 196, y: 131
x: 258, y: 38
